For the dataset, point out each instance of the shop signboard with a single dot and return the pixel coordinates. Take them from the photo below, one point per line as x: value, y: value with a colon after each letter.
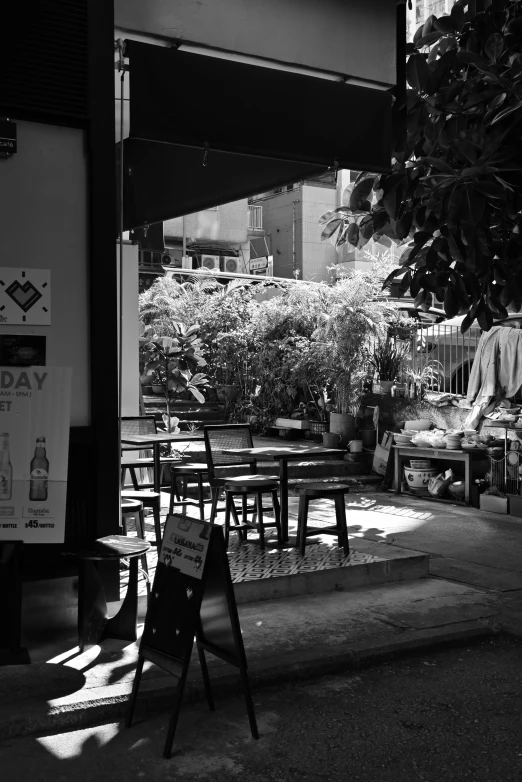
x: 191, y: 598
x: 34, y: 447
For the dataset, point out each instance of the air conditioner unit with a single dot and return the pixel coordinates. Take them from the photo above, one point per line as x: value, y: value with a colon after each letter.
x: 210, y: 262
x: 165, y: 259
x: 231, y: 264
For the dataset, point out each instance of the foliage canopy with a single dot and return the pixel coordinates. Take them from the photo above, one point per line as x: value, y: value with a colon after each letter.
x: 454, y: 196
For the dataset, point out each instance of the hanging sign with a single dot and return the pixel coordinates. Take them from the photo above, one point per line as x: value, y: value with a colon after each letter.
x: 25, y: 296
x: 185, y: 546
x: 192, y: 596
x: 258, y: 263
x: 34, y: 451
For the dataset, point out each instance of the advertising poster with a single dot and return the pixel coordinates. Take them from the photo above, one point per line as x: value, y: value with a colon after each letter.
x: 34, y: 449
x: 185, y: 544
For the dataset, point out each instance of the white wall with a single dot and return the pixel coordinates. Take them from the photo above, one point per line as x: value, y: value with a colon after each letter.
x: 130, y: 331
x: 317, y: 254
x: 43, y: 209
x: 227, y: 223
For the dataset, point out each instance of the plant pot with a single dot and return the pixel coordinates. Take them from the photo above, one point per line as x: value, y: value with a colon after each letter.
x: 227, y: 393
x: 386, y: 386
x: 368, y: 437
x: 157, y: 389
x: 343, y: 424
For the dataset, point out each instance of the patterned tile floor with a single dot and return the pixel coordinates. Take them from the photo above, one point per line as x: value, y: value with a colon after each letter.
x: 249, y: 563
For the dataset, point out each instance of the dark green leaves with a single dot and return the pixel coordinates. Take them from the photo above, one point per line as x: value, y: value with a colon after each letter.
x: 494, y: 46
x: 360, y: 193
x: 417, y: 72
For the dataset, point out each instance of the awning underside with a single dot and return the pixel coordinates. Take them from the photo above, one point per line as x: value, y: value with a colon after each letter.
x: 185, y: 153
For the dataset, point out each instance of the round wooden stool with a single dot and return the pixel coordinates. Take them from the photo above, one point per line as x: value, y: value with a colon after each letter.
x: 134, y: 509
x: 150, y: 499
x: 193, y: 470
x: 93, y: 622
x: 320, y: 491
x: 252, y: 485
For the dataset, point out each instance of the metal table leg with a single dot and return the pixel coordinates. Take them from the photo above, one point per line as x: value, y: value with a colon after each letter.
x: 283, y: 488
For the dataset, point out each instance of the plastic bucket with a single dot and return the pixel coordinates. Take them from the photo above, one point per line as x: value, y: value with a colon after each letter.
x: 356, y: 446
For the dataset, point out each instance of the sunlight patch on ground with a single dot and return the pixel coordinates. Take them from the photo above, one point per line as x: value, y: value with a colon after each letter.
x: 66, y: 746
x: 409, y: 512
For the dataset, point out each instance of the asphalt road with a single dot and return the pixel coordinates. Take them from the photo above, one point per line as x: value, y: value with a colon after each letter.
x: 448, y: 715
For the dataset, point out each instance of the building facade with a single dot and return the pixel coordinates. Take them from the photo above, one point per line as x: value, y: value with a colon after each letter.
x: 421, y: 10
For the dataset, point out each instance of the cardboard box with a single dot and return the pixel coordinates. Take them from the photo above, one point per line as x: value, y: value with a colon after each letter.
x: 515, y: 505
x: 382, y: 454
x: 493, y: 504
x: 292, y: 423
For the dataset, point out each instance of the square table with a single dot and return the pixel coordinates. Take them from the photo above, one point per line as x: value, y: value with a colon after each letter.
x: 284, y: 455
x: 154, y: 441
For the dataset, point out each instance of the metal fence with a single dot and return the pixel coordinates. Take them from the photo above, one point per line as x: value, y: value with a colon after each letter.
x: 442, y: 356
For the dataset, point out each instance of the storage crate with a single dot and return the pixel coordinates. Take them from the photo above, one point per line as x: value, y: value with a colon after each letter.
x: 493, y: 504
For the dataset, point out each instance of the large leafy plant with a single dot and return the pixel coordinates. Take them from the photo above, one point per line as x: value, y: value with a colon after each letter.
x: 454, y: 196
x: 174, y: 362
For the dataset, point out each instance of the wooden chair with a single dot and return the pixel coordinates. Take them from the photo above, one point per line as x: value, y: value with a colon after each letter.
x: 193, y: 472
x: 319, y: 491
x: 221, y: 466
x: 143, y: 424
x: 149, y: 499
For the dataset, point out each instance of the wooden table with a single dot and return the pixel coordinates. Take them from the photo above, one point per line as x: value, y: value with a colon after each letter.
x: 404, y: 452
x: 154, y: 441
x: 284, y: 455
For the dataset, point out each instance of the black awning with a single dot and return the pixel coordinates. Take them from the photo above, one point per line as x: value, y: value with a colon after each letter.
x: 163, y: 181
x: 195, y: 142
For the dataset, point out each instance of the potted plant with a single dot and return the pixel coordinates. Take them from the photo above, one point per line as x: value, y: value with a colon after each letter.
x: 174, y: 361
x: 387, y: 359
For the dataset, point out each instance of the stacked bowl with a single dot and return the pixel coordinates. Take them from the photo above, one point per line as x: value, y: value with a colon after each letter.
x: 402, y: 439
x: 453, y: 442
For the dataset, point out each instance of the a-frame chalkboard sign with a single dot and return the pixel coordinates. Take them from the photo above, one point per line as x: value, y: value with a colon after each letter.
x: 191, y: 597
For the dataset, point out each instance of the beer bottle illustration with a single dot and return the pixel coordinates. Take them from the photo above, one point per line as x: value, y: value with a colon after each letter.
x: 38, y: 483
x: 6, y: 470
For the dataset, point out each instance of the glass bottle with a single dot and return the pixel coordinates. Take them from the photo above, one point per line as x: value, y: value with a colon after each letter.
x: 6, y: 469
x: 38, y: 484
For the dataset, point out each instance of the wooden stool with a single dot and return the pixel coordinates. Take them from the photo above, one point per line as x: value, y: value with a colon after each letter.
x: 197, y: 470
x: 245, y: 486
x: 135, y: 509
x: 319, y: 491
x: 150, y: 499
x: 93, y: 622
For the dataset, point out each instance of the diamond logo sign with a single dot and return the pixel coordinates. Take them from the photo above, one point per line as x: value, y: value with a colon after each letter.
x: 25, y: 296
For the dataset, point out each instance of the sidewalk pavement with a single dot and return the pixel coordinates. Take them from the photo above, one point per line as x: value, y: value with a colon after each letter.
x: 474, y: 590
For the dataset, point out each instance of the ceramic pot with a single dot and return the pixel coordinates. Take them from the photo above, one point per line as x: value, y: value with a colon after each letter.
x: 157, y: 389
x: 368, y: 437
x: 331, y: 439
x: 386, y: 386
